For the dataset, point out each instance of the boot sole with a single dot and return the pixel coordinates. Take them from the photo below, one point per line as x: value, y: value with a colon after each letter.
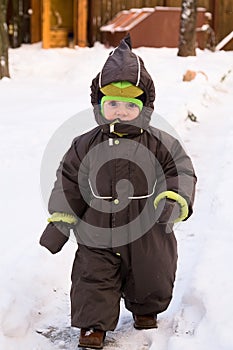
x: 145, y: 327
x: 85, y: 346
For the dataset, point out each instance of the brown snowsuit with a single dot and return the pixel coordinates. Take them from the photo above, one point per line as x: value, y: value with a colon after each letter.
x: 109, y: 179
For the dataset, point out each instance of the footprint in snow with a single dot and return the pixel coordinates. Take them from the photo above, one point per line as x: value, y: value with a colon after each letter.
x: 190, y: 316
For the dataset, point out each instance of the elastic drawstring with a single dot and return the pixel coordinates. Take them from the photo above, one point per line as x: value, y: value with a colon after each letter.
x: 139, y: 70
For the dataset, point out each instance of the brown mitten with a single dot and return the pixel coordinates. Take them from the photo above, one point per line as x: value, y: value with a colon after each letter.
x: 55, y: 236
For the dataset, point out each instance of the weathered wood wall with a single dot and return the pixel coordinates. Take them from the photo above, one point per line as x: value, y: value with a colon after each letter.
x: 101, y: 11
x: 83, y: 18
x: 223, y: 19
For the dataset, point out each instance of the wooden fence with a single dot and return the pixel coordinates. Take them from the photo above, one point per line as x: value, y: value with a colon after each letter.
x: 101, y: 11
x: 88, y: 16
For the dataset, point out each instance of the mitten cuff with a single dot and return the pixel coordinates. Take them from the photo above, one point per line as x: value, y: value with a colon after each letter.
x: 63, y: 217
x: 184, y: 210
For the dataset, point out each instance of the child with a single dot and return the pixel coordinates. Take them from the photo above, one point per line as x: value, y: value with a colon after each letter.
x: 120, y: 187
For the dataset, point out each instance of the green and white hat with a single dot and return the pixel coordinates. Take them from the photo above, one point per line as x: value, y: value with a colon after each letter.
x: 121, y: 91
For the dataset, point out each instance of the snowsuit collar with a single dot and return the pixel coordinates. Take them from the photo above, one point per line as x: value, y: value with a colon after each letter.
x: 121, y: 130
x: 123, y: 64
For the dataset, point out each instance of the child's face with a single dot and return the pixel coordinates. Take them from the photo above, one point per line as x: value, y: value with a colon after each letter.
x: 124, y: 111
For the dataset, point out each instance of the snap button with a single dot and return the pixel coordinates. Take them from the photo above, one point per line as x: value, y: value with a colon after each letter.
x: 116, y: 142
x: 116, y: 201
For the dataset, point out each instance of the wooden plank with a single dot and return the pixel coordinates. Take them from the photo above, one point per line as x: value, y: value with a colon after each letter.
x: 35, y: 20
x: 75, y: 22
x: 82, y: 22
x: 203, y: 3
x: 46, y: 24
x: 150, y: 3
x: 96, y: 20
x: 225, y: 23
x: 161, y: 3
x: 173, y: 3
x: 177, y: 3
x: 128, y: 4
x: 105, y: 11
x: 213, y: 8
x: 116, y: 7
x: 138, y: 4
x: 90, y: 24
x: 62, y: 14
x: 224, y: 41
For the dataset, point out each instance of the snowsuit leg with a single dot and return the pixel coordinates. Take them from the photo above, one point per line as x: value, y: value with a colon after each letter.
x: 143, y: 274
x: 96, y: 289
x: 149, y: 265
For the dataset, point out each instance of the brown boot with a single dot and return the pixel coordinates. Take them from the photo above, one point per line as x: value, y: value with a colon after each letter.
x: 91, y: 338
x: 145, y: 321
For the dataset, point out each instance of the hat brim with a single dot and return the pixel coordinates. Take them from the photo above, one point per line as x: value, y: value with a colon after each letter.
x: 129, y: 91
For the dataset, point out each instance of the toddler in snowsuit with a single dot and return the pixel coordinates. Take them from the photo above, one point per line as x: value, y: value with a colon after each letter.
x: 120, y: 187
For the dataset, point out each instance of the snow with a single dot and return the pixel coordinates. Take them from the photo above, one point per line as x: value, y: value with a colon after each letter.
x: 47, y: 88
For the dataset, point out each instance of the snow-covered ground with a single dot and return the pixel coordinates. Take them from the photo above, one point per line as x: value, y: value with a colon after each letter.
x: 47, y: 88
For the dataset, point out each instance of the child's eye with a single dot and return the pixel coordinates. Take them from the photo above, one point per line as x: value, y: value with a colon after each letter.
x: 112, y: 103
x: 132, y: 105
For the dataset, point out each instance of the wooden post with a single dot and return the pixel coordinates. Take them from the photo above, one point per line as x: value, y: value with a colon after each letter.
x: 46, y: 24
x: 75, y: 29
x: 4, y: 43
x: 93, y: 6
x: 214, y: 11
x: 82, y: 22
x: 35, y: 21
x: 15, y: 25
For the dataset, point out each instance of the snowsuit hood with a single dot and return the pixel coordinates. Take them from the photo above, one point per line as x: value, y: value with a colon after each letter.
x: 123, y: 65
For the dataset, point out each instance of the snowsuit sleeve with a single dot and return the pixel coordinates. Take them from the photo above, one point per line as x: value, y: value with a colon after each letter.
x: 177, y: 171
x: 71, y: 183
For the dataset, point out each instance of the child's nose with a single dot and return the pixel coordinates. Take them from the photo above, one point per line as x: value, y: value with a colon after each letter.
x: 122, y: 110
